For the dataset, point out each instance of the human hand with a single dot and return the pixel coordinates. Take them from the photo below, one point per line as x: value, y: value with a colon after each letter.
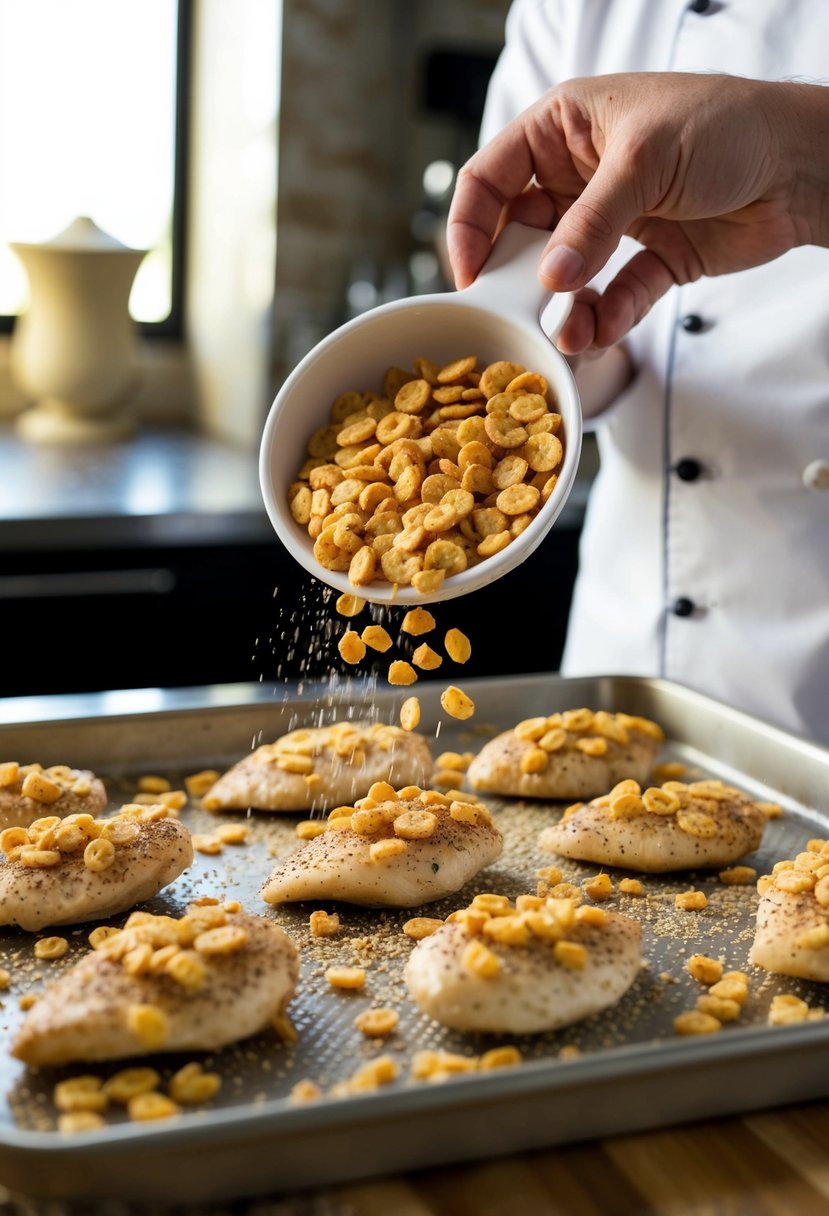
x: 710, y: 173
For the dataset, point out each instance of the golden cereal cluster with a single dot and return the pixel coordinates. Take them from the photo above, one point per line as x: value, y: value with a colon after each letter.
x: 83, y: 1100
x: 593, y: 733
x: 494, y: 920
x: 695, y: 805
x: 438, y: 472
x: 391, y: 818
x: 50, y: 840
x: 164, y: 945
x: 41, y: 784
x: 298, y: 751
x: 807, y: 875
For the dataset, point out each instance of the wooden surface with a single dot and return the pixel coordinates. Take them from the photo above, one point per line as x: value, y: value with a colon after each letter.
x: 770, y: 1164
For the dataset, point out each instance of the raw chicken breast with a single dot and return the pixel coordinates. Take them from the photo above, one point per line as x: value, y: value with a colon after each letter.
x: 792, y: 929
x: 537, y: 966
x: 672, y: 827
x: 408, y: 849
x: 67, y: 871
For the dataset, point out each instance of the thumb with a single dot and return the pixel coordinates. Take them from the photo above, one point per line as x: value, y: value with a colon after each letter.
x: 590, y: 230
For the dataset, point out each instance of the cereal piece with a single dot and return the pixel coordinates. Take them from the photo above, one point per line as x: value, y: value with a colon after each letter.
x: 122, y: 1086
x: 401, y: 672
x: 719, y: 1007
x: 733, y: 987
x: 377, y: 638
x: 307, y: 829
x: 691, y: 901
x: 324, y: 924
x: 570, y: 954
x: 346, y: 978
x: 199, y: 783
x: 351, y: 647
x: 631, y: 886
x: 80, y: 1121
x: 99, y: 855
x: 599, y: 888
x: 152, y: 784
x: 80, y: 1094
x: 496, y: 376
x: 410, y: 713
x: 694, y: 1021
x: 415, y: 825
x: 191, y: 1086
x: 454, y: 760
x: 456, y: 703
x: 40, y: 788
x: 419, y: 927
x: 380, y: 850
x: 363, y: 566
x: 147, y: 1106
x: 738, y: 876
x: 51, y: 947
x: 149, y: 1025
x: 428, y: 582
x: 377, y: 1023
x: 458, y: 646
x: 350, y: 605
x: 706, y: 970
x: 480, y: 960
x: 787, y: 1009
x: 426, y: 658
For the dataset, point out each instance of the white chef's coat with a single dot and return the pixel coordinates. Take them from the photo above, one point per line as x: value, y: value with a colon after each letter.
x: 719, y: 581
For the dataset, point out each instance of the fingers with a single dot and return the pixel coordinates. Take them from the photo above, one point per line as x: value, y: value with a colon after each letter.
x: 599, y: 321
x: 496, y: 175
x: 590, y: 230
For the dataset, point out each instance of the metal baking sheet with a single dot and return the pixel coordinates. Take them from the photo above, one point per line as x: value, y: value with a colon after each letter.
x: 631, y: 1070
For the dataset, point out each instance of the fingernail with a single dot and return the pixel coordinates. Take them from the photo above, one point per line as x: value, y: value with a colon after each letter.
x: 564, y: 266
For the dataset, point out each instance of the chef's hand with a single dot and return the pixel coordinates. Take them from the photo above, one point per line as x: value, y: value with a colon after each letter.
x: 710, y: 173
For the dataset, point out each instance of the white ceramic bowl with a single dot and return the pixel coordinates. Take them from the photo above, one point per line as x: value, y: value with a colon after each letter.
x: 497, y: 317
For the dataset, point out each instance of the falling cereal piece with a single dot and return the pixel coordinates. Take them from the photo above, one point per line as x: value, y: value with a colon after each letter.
x: 351, y: 647
x: 426, y: 658
x: 401, y: 672
x: 456, y: 703
x: 377, y: 638
x: 418, y: 621
x: 410, y: 713
x: 458, y: 646
x: 350, y: 605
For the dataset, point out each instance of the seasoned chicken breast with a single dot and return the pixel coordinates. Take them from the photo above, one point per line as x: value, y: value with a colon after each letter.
x: 792, y: 928
x: 575, y: 754
x: 321, y: 767
x: 396, y: 849
x: 29, y: 791
x: 538, y: 965
x: 163, y: 985
x: 670, y: 827
x: 67, y: 871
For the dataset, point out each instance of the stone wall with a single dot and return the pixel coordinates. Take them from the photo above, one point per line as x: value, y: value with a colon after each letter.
x: 354, y: 140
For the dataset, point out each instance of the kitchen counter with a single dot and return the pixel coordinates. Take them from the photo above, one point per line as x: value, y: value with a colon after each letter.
x: 158, y: 488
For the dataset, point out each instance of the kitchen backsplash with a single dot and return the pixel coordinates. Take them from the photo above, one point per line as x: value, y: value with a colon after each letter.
x: 367, y: 98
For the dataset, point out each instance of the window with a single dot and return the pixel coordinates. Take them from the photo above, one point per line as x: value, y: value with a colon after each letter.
x: 93, y: 122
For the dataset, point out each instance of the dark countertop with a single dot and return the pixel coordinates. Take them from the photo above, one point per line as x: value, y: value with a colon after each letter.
x: 158, y: 488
